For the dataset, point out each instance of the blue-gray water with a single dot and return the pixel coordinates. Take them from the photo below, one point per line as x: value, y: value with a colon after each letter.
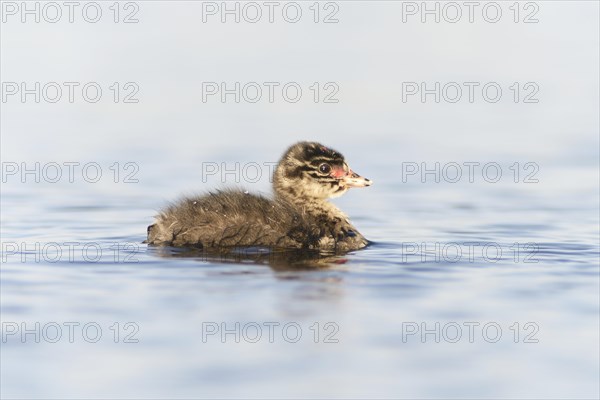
x: 469, y: 290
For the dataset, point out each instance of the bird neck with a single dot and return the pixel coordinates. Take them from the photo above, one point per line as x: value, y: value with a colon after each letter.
x: 292, y: 192
x: 320, y: 208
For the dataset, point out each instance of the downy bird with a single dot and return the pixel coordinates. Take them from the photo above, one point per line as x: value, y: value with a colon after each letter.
x: 298, y: 216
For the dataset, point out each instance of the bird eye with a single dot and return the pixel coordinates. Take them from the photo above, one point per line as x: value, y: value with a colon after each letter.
x: 325, y: 168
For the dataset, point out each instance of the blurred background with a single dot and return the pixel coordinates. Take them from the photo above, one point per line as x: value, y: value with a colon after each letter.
x: 378, y: 82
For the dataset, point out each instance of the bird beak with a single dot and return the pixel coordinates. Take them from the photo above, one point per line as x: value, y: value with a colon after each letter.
x: 352, y: 179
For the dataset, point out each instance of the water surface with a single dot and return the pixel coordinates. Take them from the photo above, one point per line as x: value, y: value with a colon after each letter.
x: 469, y: 290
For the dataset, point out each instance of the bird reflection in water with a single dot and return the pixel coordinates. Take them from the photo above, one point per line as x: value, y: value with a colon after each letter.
x: 276, y: 258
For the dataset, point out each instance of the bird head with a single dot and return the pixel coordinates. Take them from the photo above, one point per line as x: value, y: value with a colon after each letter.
x: 309, y: 170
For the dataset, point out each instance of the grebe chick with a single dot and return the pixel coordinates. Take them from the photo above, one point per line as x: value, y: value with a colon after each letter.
x: 299, y: 216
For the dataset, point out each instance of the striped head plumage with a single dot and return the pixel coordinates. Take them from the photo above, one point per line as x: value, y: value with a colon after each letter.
x: 311, y: 171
